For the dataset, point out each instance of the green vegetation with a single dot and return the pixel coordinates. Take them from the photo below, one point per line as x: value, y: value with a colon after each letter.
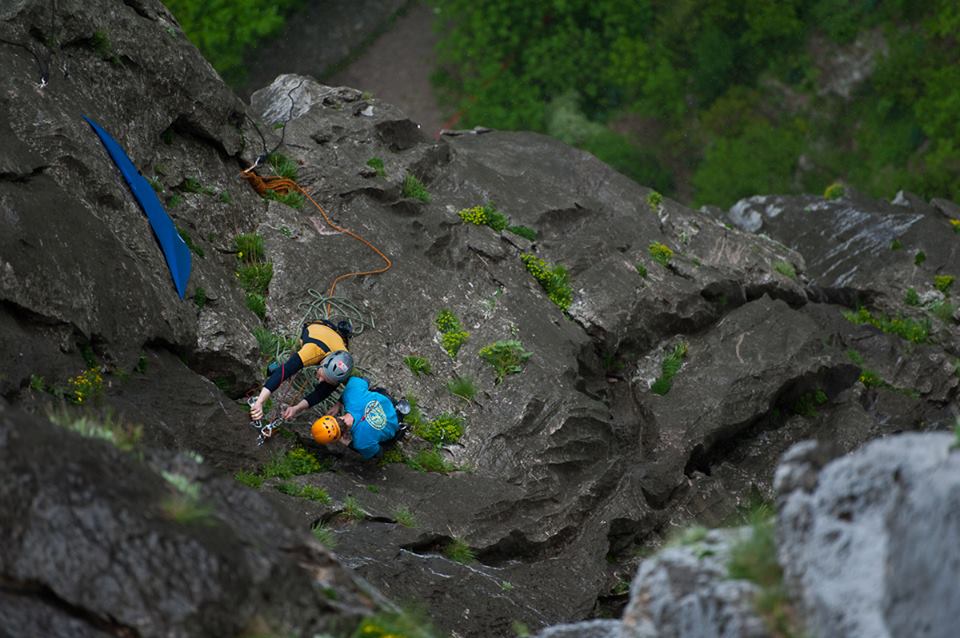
x: 224, y: 197
x: 123, y: 436
x: 104, y: 48
x: 506, y: 357
x: 404, y: 517
x: 413, y: 188
x: 253, y: 273
x: 462, y: 387
x: 553, y: 279
x: 755, y: 559
x: 271, y: 344
x: 807, y: 404
x: 458, y: 550
x: 86, y: 386
x: 197, y: 250
x: 430, y: 461
x: 310, y: 492
x: 224, y: 30
x: 377, y: 164
x: 907, y: 328
x: 669, y: 368
x: 185, y: 506
x: 452, y: 334
x: 446, y: 428
x: 417, y: 365
x: 324, y: 535
x: 943, y: 310
x: 141, y: 366
x: 249, y: 479
x: 523, y: 231
x: 955, y: 224
x: 296, y: 462
x: 641, y: 269
x: 352, y: 510
x: 911, y: 298
x: 661, y: 253
x: 200, y: 297
x: 293, y: 199
x: 283, y: 166
x: 834, y: 191
x: 486, y: 215
x: 37, y: 383
x: 919, y: 258
x: 654, y: 200
x: 896, y: 244
x: 943, y: 282
x: 395, y: 625
x: 646, y: 85
x: 785, y: 268
x: 175, y: 200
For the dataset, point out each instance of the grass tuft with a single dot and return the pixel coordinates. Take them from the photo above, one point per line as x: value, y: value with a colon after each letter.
x: 413, y: 188
x: 417, y: 365
x: 462, y: 387
x: 785, y: 268
x: 458, y: 550
x: 404, y: 517
x: 668, y: 369
x: 296, y: 462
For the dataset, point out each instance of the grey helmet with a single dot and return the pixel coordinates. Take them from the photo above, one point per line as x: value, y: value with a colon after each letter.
x: 337, y: 366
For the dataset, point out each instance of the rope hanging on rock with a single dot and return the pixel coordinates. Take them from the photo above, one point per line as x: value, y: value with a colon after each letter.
x: 283, y: 186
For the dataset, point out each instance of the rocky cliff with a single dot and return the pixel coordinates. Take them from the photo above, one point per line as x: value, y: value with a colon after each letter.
x: 690, y: 352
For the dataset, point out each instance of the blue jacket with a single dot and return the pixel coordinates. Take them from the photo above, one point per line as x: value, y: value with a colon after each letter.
x: 374, y: 417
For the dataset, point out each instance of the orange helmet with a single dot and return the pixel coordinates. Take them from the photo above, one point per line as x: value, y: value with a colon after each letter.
x: 325, y: 430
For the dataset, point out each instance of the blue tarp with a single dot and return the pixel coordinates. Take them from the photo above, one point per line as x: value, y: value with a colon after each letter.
x: 173, y: 246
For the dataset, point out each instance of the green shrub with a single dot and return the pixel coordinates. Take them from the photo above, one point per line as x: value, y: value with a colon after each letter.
x: 283, y: 166
x: 417, y: 365
x: 462, y: 387
x: 257, y: 304
x: 458, y: 550
x: 395, y: 625
x: 654, y: 200
x: 293, y: 199
x: 785, y: 268
x: 527, y: 233
x: 452, y: 334
x: 871, y: 379
x: 912, y: 298
x: 404, y: 517
x: 506, y: 357
x: 352, y: 510
x: 661, y: 253
x: 310, y: 492
x: 86, y: 386
x: 943, y: 282
x: 249, y: 479
x: 249, y: 247
x: 413, y: 188
x: 486, y: 215
x: 325, y: 536
x: 553, y: 279
x: 377, y: 164
x: 669, y: 368
x: 807, y: 404
x: 755, y: 559
x: 255, y: 277
x: 430, y: 461
x: 224, y: 30
x: 123, y: 436
x: 271, y: 344
x: 296, y: 462
x: 200, y: 297
x: 446, y: 428
x: 919, y: 258
x: 896, y: 244
x: 641, y: 269
x: 943, y: 310
x: 906, y: 328
x: 834, y: 191
x: 37, y: 383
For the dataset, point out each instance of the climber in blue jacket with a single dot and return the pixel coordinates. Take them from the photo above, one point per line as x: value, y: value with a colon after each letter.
x: 369, y: 420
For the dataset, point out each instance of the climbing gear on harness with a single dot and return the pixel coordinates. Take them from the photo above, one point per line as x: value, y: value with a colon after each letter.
x: 337, y: 366
x: 325, y: 430
x: 403, y: 408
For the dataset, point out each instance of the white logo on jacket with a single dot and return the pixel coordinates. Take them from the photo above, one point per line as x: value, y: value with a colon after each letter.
x: 374, y: 415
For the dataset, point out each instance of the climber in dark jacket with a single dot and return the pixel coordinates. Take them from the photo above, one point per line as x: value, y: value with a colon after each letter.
x: 322, y: 344
x: 369, y: 420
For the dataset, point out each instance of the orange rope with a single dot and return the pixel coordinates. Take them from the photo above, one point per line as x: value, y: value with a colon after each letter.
x: 284, y: 186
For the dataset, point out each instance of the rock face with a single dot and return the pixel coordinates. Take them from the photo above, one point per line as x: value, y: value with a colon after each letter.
x: 93, y: 545
x: 867, y: 540
x: 566, y: 468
